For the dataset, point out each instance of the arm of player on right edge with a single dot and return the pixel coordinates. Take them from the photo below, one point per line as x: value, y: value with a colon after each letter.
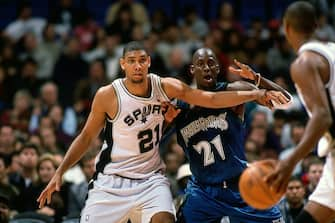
x: 79, y: 146
x: 175, y: 88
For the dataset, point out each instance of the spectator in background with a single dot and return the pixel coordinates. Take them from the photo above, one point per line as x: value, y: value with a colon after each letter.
x: 98, y: 48
x: 191, y: 22
x: 24, y: 179
x: 86, y: 88
x: 47, y: 52
x: 56, y: 114
x: 7, y: 140
x: 49, y: 141
x: 28, y: 78
x: 170, y: 39
x: 324, y: 32
x: 158, y: 21
x: 314, y: 173
x: 64, y: 15
x: 14, y: 166
x: 47, y: 99
x: 4, y: 208
x: 24, y: 23
x: 26, y: 47
x: 257, y: 29
x: 9, y: 70
x: 225, y: 19
x: 157, y: 63
x: 78, y: 192
x: 57, y: 209
x: 177, y: 65
x: 280, y: 56
x: 19, y: 116
x: 85, y: 31
x: 172, y: 163
x: 138, y: 11
x: 69, y: 68
x: 294, y: 200
x: 123, y: 24
x: 297, y: 131
x: 5, y: 186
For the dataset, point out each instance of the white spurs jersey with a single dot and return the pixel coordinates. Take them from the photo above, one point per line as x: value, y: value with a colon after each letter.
x: 327, y: 50
x: 131, y: 146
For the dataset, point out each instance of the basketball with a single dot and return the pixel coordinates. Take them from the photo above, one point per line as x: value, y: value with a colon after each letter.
x: 253, y: 187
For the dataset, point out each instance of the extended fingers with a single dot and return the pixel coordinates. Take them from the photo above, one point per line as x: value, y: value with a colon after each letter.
x: 234, y: 70
x: 41, y: 199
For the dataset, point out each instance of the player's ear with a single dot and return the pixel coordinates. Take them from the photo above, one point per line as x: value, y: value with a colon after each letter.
x: 149, y: 61
x: 191, y: 69
x: 122, y: 62
x: 217, y: 69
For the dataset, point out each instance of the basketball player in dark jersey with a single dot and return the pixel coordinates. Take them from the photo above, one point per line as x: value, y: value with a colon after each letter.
x: 213, y: 141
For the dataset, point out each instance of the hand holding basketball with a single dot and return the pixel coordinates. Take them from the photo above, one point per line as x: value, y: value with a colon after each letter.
x: 253, y: 187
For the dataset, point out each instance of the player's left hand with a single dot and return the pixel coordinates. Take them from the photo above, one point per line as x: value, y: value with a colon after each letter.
x: 279, y: 178
x: 243, y: 70
x: 170, y: 111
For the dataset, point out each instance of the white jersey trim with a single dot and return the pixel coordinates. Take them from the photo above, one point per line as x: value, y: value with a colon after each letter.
x: 317, y: 47
x: 118, y: 104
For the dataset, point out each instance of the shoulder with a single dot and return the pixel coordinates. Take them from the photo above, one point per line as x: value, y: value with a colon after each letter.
x: 173, y: 87
x: 305, y: 63
x: 106, y: 91
x: 309, y: 59
x: 105, y: 94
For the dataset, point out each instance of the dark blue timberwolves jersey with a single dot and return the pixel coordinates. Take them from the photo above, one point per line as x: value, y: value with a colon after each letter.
x: 213, y: 141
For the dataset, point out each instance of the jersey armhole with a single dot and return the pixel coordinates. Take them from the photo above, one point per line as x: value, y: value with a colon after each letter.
x: 327, y: 57
x: 157, y: 81
x: 114, y: 88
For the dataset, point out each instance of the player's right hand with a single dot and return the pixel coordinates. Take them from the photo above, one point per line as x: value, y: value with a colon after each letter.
x: 54, y: 185
x: 276, y: 97
x: 278, y: 179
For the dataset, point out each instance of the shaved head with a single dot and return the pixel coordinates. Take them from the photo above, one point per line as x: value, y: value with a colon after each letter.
x: 301, y: 16
x: 201, y: 52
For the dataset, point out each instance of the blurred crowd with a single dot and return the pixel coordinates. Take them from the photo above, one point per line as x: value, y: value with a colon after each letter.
x: 50, y: 69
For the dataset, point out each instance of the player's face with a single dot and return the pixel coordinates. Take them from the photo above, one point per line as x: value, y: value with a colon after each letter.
x: 135, y: 65
x: 205, y: 69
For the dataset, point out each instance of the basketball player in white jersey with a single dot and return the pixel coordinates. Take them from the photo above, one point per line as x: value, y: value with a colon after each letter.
x: 313, y: 73
x: 129, y: 182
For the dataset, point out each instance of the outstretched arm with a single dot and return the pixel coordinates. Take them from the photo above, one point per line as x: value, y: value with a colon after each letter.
x: 176, y: 89
x: 246, y: 72
x: 79, y: 146
x: 246, y: 86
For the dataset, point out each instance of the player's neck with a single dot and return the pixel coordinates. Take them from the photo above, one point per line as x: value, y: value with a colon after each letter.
x: 299, y: 42
x: 138, y: 89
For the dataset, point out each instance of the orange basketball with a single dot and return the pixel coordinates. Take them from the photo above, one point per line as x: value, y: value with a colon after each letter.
x: 253, y: 188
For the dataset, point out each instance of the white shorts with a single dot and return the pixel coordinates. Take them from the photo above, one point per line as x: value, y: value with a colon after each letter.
x: 115, y: 199
x: 324, y: 193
